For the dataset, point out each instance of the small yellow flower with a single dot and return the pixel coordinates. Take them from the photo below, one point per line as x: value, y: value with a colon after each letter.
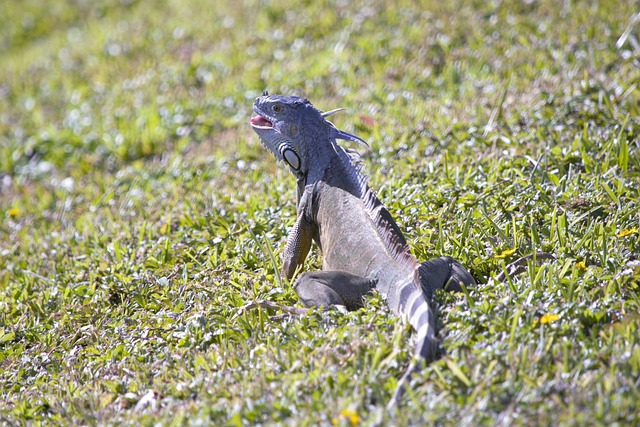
x: 347, y: 414
x: 505, y: 253
x: 549, y: 318
x: 13, y: 212
x: 627, y: 232
x: 581, y: 265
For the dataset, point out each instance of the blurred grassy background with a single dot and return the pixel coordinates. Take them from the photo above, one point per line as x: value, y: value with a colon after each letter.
x: 138, y: 211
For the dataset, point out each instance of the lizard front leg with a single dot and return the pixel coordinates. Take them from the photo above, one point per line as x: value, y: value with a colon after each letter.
x: 298, y: 245
x: 295, y: 252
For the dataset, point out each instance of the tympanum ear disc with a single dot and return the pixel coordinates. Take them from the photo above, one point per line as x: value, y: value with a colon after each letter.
x: 291, y: 158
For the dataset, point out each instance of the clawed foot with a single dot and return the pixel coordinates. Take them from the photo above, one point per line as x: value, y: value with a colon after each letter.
x: 298, y: 311
x: 520, y: 265
x: 287, y: 309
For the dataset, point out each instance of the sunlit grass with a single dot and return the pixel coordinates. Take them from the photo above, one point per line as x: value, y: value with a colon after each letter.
x: 139, y: 214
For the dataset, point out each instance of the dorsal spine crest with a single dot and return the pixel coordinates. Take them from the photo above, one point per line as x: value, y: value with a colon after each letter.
x: 394, y: 241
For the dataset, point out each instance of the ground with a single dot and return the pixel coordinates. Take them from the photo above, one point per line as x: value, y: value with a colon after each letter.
x: 139, y: 213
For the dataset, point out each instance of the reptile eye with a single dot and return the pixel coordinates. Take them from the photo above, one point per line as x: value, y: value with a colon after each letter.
x: 277, y: 108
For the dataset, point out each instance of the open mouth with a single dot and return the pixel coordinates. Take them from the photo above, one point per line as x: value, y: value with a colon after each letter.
x: 260, y: 122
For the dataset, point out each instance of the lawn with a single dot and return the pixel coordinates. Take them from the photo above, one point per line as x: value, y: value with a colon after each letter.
x: 139, y: 213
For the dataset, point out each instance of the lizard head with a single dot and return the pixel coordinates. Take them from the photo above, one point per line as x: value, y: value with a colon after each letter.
x: 294, y: 130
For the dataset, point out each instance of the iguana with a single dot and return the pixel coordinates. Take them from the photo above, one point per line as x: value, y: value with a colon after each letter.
x: 363, y: 248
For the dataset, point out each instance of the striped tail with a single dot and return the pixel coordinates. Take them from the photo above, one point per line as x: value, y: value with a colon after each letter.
x: 422, y: 319
x: 414, y: 305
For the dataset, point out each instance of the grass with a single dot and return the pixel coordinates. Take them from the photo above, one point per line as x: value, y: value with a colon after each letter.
x: 139, y: 213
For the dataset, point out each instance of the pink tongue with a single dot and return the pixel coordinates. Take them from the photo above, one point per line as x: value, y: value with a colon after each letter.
x: 261, y: 122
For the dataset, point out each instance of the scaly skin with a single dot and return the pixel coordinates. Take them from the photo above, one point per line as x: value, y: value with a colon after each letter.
x: 362, y: 246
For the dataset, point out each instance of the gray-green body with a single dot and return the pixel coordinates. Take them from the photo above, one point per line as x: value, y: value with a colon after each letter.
x: 362, y: 246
